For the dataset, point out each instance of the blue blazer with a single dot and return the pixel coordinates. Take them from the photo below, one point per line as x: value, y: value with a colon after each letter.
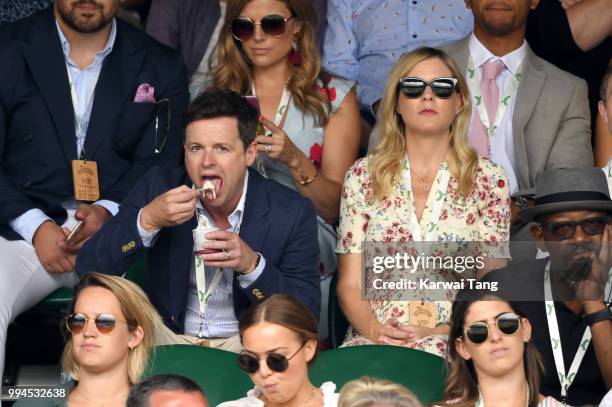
x: 277, y: 222
x: 37, y: 137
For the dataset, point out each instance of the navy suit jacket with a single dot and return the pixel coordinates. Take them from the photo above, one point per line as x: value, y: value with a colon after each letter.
x: 277, y: 222
x: 37, y: 136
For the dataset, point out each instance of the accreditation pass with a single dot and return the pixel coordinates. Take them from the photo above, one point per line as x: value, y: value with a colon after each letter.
x: 34, y: 392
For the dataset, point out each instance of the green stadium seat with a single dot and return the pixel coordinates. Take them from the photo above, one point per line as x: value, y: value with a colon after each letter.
x: 59, y: 300
x: 217, y: 373
x: 337, y: 322
x: 214, y: 369
x: 423, y: 373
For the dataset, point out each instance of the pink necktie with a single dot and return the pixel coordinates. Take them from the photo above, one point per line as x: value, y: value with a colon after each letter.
x: 490, y: 97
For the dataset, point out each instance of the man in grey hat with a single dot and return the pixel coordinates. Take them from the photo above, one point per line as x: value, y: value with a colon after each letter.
x: 565, y: 294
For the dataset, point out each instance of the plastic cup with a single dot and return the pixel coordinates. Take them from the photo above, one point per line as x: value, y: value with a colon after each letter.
x: 199, y: 238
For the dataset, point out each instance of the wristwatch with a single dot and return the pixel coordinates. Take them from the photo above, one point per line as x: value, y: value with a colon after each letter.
x: 601, y: 315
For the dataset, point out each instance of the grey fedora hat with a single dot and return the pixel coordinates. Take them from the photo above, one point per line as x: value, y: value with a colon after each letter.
x: 568, y: 189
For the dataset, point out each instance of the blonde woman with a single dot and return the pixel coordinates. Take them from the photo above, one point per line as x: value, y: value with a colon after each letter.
x: 369, y: 392
x: 267, y: 48
x: 422, y: 183
x: 110, y: 333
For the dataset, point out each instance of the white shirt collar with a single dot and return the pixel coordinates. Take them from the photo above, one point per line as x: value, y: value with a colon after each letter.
x: 480, y: 54
x: 108, y: 48
x: 235, y: 217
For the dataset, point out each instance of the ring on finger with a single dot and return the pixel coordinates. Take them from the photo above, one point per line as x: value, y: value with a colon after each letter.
x: 267, y: 148
x: 227, y: 255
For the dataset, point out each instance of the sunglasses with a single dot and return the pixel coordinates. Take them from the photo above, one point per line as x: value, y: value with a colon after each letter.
x: 507, y: 323
x: 273, y: 25
x: 276, y: 362
x: 105, y: 323
x: 442, y: 88
x: 565, y: 230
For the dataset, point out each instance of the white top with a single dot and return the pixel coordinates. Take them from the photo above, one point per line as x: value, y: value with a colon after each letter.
x: 502, y: 142
x: 608, y: 172
x: 607, y: 400
x: 330, y: 397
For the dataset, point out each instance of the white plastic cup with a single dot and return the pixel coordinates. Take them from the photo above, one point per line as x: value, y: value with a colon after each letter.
x: 199, y: 238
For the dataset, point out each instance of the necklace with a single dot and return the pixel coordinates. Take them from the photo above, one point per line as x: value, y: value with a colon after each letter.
x: 312, y: 393
x: 422, y: 179
x: 101, y: 404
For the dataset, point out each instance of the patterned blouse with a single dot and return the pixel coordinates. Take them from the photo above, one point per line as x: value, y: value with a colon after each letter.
x: 481, y: 216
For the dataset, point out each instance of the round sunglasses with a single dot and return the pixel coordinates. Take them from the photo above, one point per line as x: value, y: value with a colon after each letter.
x: 273, y: 25
x: 413, y: 87
x: 565, y: 230
x: 275, y: 361
x: 507, y: 323
x: 105, y: 323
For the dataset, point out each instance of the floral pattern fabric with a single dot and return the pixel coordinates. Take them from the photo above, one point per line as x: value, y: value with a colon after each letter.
x: 483, y: 216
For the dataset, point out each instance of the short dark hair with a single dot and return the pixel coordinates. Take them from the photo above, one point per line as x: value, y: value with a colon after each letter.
x: 603, y: 91
x: 215, y: 103
x: 141, y: 392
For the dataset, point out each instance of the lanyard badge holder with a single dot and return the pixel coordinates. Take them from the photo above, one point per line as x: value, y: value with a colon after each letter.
x: 84, y: 173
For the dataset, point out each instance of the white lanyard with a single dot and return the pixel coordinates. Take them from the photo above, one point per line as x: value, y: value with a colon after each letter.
x: 204, y: 293
x: 79, y: 119
x: 555, y: 340
x: 283, y: 105
x: 431, y: 231
x: 504, y: 102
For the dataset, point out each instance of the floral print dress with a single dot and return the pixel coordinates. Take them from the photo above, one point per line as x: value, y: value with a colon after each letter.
x: 303, y: 131
x: 483, y: 216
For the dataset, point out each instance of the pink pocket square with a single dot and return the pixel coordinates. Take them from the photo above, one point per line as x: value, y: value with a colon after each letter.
x: 145, y: 94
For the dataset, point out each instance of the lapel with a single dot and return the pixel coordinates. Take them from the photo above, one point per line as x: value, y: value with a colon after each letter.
x: 460, y: 52
x: 255, y: 224
x: 45, y: 58
x: 115, y: 86
x: 527, y: 96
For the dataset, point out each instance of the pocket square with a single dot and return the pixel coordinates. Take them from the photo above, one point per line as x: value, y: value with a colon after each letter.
x: 145, y: 94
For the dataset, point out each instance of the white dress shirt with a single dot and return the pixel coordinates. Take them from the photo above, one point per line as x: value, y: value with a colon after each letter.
x: 502, y: 141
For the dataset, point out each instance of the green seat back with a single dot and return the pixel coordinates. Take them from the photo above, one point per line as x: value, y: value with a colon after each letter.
x: 215, y: 370
x: 337, y: 322
x: 423, y: 373
x: 59, y: 300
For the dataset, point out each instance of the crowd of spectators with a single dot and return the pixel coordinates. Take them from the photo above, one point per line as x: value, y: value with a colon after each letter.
x: 264, y: 155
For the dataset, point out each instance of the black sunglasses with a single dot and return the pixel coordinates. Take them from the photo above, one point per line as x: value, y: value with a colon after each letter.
x: 413, y: 87
x: 276, y: 362
x: 273, y: 25
x: 565, y: 230
x: 507, y: 323
x: 105, y: 323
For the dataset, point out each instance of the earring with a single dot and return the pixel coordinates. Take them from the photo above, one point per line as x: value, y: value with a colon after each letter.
x: 295, y: 57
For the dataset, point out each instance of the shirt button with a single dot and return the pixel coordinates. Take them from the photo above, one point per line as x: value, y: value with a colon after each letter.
x: 414, y: 35
x: 414, y: 2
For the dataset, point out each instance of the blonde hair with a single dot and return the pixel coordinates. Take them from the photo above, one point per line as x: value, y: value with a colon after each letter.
x: 232, y: 70
x: 385, y: 163
x: 367, y: 391
x: 138, y: 311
